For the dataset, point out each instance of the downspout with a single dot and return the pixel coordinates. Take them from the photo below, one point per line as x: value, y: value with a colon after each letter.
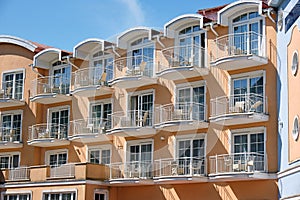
x: 114, y: 51
x: 211, y: 25
x: 269, y: 12
x: 158, y: 40
x: 36, y: 72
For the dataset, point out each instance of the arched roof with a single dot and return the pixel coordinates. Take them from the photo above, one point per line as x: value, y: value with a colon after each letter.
x: 18, y: 41
x: 45, y: 58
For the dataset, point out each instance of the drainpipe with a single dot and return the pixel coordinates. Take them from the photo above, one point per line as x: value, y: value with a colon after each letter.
x: 269, y: 12
x: 211, y: 25
x: 158, y: 40
x: 114, y: 50
x: 33, y: 69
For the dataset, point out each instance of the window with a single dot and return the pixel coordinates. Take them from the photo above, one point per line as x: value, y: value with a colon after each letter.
x: 101, y: 115
x: 12, y: 85
x: 191, y: 153
x: 191, y: 43
x: 249, y: 146
x: 295, y: 63
x: 61, y: 78
x: 191, y: 103
x: 101, y: 63
x: 11, y: 127
x: 247, y: 33
x: 140, y: 58
x: 295, y: 131
x: 16, y: 196
x: 99, y: 155
x: 141, y: 109
x: 59, y: 196
x: 58, y: 122
x: 56, y: 158
x: 101, y: 195
x: 248, y: 94
x: 9, y: 160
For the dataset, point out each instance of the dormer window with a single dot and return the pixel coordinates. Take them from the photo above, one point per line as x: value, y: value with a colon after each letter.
x: 190, y: 29
x: 140, y: 41
x: 101, y: 63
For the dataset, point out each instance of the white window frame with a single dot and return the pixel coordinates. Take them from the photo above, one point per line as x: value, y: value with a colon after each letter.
x: 190, y: 137
x: 99, y: 102
x: 137, y: 142
x: 60, y: 191
x: 22, y: 70
x: 57, y: 109
x: 13, y: 112
x: 102, y: 191
x: 100, y: 148
x: 53, y: 152
x: 19, y: 192
x: 102, y: 58
x: 10, y: 155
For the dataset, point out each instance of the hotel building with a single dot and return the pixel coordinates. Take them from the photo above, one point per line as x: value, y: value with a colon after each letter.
x: 187, y: 112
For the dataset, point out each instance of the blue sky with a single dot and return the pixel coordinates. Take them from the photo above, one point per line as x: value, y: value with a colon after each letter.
x: 64, y: 23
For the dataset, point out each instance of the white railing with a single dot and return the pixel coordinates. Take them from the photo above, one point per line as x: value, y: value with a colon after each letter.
x: 51, y: 85
x: 247, y: 43
x: 89, y: 126
x: 191, y: 166
x: 135, y: 65
x: 180, y: 111
x: 8, y: 134
x: 48, y: 131
x: 21, y: 173
x: 183, y: 56
x: 66, y: 170
x: 132, y: 118
x: 135, y: 169
x: 242, y: 103
x: 237, y: 162
x: 91, y: 76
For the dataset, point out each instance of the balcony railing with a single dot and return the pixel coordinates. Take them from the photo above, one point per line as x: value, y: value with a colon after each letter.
x: 90, y: 126
x: 134, y: 66
x: 238, y: 44
x: 242, y: 103
x: 8, y: 134
x: 132, y: 118
x: 136, y: 169
x: 183, y: 56
x: 50, y: 85
x: 91, y: 77
x: 191, y: 166
x: 63, y: 171
x: 12, y: 90
x: 237, y: 162
x: 19, y: 174
x: 48, y: 131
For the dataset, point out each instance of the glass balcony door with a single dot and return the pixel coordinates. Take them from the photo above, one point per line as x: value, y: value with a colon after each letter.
x: 101, y: 115
x: 140, y: 159
x: 59, y: 122
x: 12, y: 85
x: 61, y: 79
x: 141, y: 110
x: 11, y: 127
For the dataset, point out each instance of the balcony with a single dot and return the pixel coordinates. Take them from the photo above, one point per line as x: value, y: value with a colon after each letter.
x: 237, y: 166
x: 62, y: 171
x: 238, y: 51
x: 132, y: 123
x: 90, y: 130
x: 239, y: 109
x: 48, y: 135
x: 169, y: 170
x: 10, y: 138
x: 8, y: 99
x: 50, y: 89
x: 18, y: 174
x: 90, y: 82
x: 182, y: 62
x: 181, y: 117
x: 133, y: 72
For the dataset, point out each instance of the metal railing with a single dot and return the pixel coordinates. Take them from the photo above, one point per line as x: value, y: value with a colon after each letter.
x: 48, y: 131
x: 21, y: 173
x: 135, y: 65
x: 12, y: 90
x: 237, y: 162
x: 132, y: 118
x: 8, y: 134
x: 180, y: 111
x: 91, y: 76
x: 135, y: 169
x: 89, y: 126
x: 247, y: 43
x: 183, y: 56
x: 51, y: 85
x: 192, y: 166
x: 66, y: 170
x: 239, y: 103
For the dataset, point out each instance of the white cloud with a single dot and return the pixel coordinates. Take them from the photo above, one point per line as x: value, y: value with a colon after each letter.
x: 135, y: 12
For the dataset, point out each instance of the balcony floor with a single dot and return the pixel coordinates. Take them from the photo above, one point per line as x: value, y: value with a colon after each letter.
x: 88, y: 138
x: 132, y: 131
x: 4, y: 103
x: 239, y: 62
x: 127, y: 82
x: 184, y: 72
x: 239, y: 118
x: 50, y: 98
x: 242, y: 176
x: 91, y: 91
x: 10, y: 145
x: 182, y: 125
x: 48, y: 142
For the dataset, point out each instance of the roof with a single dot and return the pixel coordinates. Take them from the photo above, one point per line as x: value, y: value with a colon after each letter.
x: 41, y: 47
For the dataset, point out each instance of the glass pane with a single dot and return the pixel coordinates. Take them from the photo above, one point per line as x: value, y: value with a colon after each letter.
x: 240, y: 143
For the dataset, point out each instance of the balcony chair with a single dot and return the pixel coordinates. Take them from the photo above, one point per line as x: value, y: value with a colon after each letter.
x: 144, y: 119
x: 239, y: 107
x: 8, y: 92
x: 177, y: 114
x: 255, y: 106
x: 197, y: 167
x: 2, y: 94
x: 102, y: 80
